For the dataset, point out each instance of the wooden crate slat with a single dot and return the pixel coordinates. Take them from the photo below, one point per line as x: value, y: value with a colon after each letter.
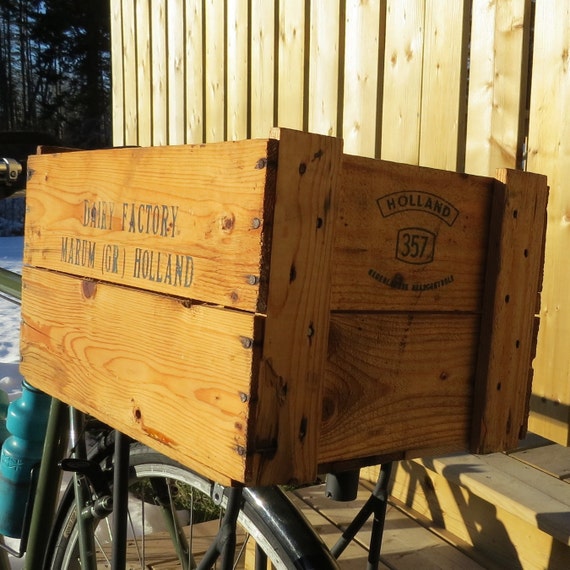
x: 166, y: 219
x: 81, y: 342
x: 397, y: 382
x: 409, y: 237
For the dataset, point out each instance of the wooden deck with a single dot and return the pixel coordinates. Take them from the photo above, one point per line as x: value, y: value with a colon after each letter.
x: 493, y: 512
x: 407, y: 543
x: 513, y: 509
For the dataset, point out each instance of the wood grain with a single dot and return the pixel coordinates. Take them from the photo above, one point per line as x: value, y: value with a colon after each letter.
x: 362, y: 61
x: 498, y: 70
x: 146, y: 364
x: 444, y: 83
x: 396, y: 382
x: 263, y: 58
x: 401, y: 104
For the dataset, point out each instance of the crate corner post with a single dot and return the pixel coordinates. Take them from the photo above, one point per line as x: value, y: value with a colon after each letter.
x: 292, y: 363
x: 509, y: 316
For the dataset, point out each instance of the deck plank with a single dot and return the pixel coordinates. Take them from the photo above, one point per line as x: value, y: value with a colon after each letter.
x: 553, y: 459
x: 407, y: 545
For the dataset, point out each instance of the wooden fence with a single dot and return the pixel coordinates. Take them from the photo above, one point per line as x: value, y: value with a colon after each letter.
x: 463, y: 85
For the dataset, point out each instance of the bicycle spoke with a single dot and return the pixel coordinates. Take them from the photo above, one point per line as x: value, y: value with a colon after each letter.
x: 134, y: 535
x: 159, y: 538
x: 241, y: 552
x: 102, y: 550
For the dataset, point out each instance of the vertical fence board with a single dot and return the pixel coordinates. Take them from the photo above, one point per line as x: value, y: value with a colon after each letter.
x: 262, y: 74
x: 291, y: 64
x: 130, y: 77
x: 194, y: 72
x: 497, y: 74
x: 237, y: 69
x: 159, y: 88
x: 443, y: 87
x: 144, y: 77
x: 117, y: 86
x: 403, y: 81
x: 158, y: 75
x: 323, y: 68
x: 362, y: 46
x: 214, y: 71
x: 549, y: 153
x: 176, y: 76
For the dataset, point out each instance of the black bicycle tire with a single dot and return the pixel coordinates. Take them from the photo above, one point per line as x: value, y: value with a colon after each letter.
x: 266, y: 513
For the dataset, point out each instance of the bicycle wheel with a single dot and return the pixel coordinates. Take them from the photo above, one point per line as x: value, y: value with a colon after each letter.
x: 270, y: 529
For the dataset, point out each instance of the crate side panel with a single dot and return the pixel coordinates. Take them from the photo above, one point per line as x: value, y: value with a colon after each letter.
x: 184, y: 220
x: 174, y: 376
x: 397, y: 382
x: 409, y: 237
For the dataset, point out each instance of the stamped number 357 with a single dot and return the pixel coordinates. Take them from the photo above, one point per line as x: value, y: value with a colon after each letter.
x: 415, y: 245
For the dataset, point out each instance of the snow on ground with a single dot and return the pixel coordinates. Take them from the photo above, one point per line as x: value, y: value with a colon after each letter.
x: 10, y: 378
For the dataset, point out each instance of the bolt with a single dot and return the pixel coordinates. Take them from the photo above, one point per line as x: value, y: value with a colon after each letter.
x: 252, y: 279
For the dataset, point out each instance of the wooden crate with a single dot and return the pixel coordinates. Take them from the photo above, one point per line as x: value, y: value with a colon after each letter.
x: 263, y: 309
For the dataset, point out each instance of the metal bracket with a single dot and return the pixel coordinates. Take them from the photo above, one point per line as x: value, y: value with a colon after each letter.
x: 10, y: 169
